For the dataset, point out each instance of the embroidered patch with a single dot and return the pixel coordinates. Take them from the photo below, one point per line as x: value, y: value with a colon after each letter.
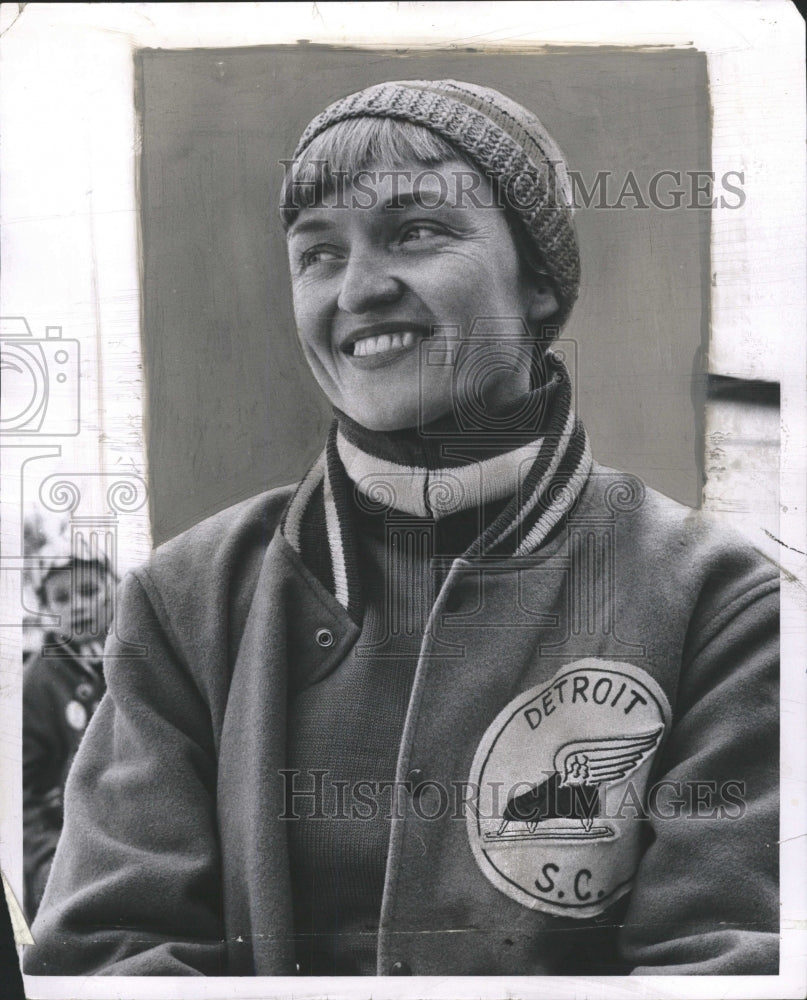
x: 560, y: 778
x: 76, y: 714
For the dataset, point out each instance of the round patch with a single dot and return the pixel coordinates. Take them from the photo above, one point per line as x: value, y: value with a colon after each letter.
x: 76, y: 715
x: 559, y: 781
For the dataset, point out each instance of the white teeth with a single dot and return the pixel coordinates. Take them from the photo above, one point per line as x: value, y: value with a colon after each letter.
x: 384, y: 342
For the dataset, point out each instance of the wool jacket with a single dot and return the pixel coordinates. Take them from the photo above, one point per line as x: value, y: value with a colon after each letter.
x: 631, y: 659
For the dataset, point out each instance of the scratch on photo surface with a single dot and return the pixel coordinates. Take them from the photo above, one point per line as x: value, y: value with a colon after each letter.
x: 783, y: 544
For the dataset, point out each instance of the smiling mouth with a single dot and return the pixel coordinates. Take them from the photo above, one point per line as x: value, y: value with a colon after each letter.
x: 383, y: 343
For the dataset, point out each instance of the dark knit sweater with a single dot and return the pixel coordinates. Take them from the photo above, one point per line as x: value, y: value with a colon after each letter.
x: 349, y: 726
x: 345, y: 731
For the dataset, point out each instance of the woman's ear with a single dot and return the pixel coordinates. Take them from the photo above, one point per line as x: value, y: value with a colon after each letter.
x: 543, y: 300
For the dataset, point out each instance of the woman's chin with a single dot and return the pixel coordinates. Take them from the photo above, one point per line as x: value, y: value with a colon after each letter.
x: 388, y: 419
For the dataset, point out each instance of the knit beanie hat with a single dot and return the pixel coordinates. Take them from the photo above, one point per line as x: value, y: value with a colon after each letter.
x: 505, y: 141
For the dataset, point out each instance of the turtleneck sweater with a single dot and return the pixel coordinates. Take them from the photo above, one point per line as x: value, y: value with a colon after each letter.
x: 416, y: 502
x: 379, y: 520
x: 349, y: 725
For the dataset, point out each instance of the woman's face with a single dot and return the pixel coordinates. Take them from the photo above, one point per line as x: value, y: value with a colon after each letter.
x: 410, y: 297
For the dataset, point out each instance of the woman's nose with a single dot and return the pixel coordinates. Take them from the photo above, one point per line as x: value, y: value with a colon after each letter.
x: 367, y: 282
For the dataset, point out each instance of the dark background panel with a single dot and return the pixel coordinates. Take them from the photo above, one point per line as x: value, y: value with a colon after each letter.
x: 231, y: 407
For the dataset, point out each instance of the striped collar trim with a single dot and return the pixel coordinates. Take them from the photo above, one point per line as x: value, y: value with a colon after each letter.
x: 544, y: 477
x: 435, y: 493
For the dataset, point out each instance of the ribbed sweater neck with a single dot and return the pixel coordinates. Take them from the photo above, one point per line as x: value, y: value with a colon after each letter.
x: 443, y: 468
x: 538, y: 467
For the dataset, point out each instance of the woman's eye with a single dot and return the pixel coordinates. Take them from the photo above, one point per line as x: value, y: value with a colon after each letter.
x: 318, y: 255
x: 415, y: 234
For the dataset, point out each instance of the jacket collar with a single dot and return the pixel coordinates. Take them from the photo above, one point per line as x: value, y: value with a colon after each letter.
x: 318, y: 522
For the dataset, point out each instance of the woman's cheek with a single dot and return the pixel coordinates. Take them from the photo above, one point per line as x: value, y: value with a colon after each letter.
x: 309, y: 312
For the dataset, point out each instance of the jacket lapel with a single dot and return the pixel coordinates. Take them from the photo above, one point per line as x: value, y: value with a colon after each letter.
x: 295, y: 631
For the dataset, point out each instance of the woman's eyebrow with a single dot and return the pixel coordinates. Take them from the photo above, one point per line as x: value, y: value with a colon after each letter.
x: 424, y: 200
x: 428, y: 199
x: 310, y: 224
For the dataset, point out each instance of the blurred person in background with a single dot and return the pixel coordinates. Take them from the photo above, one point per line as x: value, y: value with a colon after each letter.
x: 63, y: 683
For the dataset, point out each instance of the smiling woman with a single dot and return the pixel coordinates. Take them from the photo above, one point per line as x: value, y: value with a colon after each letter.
x: 420, y: 713
x: 376, y: 286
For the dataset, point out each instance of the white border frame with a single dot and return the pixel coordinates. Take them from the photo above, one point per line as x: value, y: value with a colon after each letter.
x: 68, y: 205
